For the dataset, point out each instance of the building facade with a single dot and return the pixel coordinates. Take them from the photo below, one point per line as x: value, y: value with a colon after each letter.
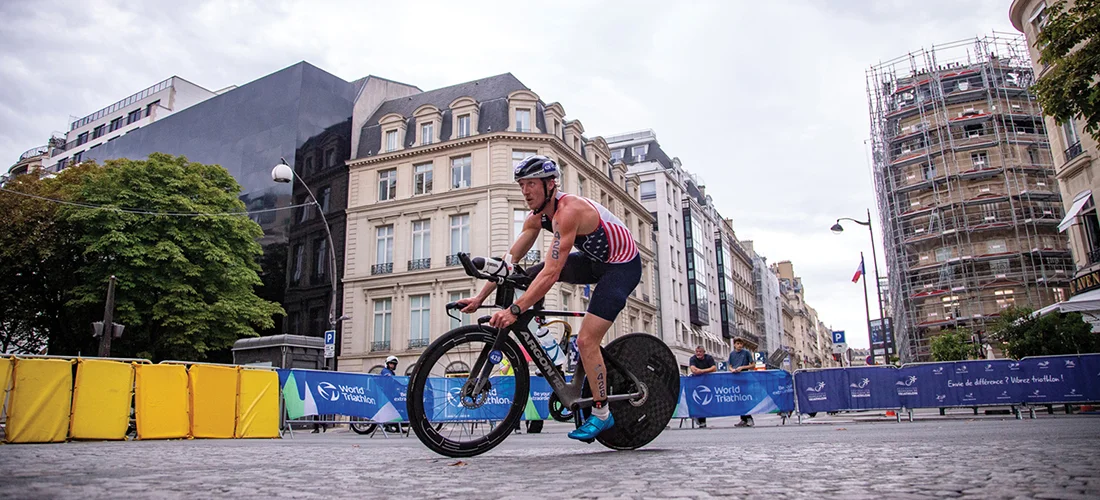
x: 809, y: 339
x: 432, y: 177
x: 766, y: 302
x: 965, y: 184
x: 1076, y: 160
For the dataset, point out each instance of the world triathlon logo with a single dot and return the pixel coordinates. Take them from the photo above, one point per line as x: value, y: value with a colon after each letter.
x: 937, y: 370
x: 989, y: 367
x: 816, y: 393
x: 1043, y: 365
x: 960, y: 369
x: 327, y: 391
x: 941, y: 397
x: 862, y: 383
x: 908, y: 381
x: 701, y: 395
x: 1070, y: 364
x: 1014, y: 366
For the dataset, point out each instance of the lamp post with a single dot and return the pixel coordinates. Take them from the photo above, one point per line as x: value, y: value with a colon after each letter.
x: 284, y: 174
x: 837, y: 229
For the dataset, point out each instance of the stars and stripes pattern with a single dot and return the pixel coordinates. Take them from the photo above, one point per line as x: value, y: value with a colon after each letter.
x: 611, y: 242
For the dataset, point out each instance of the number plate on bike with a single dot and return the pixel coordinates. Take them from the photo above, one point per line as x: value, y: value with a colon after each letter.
x: 495, y: 356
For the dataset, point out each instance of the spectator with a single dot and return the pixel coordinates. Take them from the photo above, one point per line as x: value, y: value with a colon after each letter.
x: 702, y: 363
x: 741, y: 360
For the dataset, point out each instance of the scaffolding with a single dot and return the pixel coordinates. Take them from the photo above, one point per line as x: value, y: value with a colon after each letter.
x: 965, y: 186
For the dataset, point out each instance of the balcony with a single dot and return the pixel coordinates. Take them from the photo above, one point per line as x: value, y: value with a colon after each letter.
x: 533, y: 256
x: 380, y: 345
x: 452, y: 260
x: 418, y: 343
x: 1094, y: 256
x: 386, y: 268
x: 1073, y: 151
x: 418, y: 264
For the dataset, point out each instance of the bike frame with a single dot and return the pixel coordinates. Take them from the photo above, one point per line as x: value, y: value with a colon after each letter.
x: 569, y: 393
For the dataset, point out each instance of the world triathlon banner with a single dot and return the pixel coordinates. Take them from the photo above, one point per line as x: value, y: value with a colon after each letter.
x: 382, y: 399
x: 728, y: 394
x: 1034, y: 381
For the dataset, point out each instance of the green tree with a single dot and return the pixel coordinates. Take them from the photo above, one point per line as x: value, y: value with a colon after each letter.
x: 1070, y: 46
x: 952, y: 345
x: 186, y: 284
x: 1054, y: 334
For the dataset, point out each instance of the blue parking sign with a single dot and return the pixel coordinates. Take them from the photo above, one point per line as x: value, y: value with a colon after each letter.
x: 838, y: 337
x: 330, y: 337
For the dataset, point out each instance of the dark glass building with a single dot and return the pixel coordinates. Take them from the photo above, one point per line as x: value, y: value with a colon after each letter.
x: 301, y: 114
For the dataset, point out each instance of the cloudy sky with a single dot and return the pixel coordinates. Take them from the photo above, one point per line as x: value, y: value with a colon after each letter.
x: 766, y: 101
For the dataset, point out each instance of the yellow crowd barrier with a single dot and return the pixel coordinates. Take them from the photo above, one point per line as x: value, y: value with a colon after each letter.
x: 213, y: 400
x: 161, y: 402
x: 101, y: 399
x: 258, y: 404
x: 40, y: 398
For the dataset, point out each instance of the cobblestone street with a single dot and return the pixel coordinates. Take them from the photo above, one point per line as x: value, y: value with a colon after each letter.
x: 959, y: 457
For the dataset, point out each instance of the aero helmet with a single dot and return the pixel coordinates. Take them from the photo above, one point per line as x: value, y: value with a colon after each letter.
x: 536, y: 167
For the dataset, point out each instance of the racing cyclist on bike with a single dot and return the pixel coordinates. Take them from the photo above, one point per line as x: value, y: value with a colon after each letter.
x: 605, y: 255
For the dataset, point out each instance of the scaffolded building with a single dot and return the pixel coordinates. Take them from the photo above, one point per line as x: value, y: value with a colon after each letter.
x: 965, y: 187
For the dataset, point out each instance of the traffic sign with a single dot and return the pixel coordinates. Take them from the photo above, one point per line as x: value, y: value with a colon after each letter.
x: 330, y: 344
x: 838, y: 337
x: 839, y: 348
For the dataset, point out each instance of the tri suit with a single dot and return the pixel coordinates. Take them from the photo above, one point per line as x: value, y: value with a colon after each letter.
x: 606, y: 257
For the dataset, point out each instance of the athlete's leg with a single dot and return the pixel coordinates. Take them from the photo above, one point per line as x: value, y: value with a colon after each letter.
x: 593, y: 329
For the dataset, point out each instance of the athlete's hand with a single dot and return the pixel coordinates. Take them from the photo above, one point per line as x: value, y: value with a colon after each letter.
x: 470, y: 305
x: 501, y: 319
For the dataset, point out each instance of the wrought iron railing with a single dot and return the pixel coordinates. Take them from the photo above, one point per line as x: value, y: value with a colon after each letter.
x: 380, y: 345
x: 1073, y: 151
x: 533, y: 256
x: 1094, y: 255
x: 382, y: 268
x: 416, y: 264
x: 452, y: 260
x: 418, y: 343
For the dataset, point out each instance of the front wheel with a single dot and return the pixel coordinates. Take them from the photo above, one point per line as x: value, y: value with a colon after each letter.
x: 441, y: 390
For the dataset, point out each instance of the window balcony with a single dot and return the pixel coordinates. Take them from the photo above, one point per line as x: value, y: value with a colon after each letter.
x: 1094, y: 256
x: 417, y: 264
x: 1073, y: 151
x: 386, y: 268
x: 452, y: 260
x: 380, y: 345
x: 418, y: 343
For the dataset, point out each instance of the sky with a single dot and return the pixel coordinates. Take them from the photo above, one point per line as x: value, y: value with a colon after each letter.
x: 765, y: 101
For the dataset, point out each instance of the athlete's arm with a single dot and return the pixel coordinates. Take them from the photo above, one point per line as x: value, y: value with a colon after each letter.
x: 522, y: 245
x: 565, y: 231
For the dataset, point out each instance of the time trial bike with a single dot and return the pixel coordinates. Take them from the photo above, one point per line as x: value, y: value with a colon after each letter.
x: 475, y: 380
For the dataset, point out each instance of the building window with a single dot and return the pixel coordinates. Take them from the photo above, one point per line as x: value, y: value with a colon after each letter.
x: 1039, y: 18
x: 421, y: 239
x: 151, y: 106
x: 320, y: 258
x: 581, y: 185
x: 617, y: 154
x: 82, y: 138
x: 387, y: 184
x: 78, y: 157
x: 463, y: 319
x: 519, y: 216
x: 460, y: 233
x: 638, y: 152
x: 996, y: 246
x: 296, y: 267
x: 944, y: 253
x: 518, y: 155
x: 326, y: 194
x: 980, y: 159
x: 419, y: 319
x: 330, y: 157
x: 928, y: 172
x: 62, y: 164
x: 464, y: 126
x: 523, y: 120
x: 134, y: 116
x: 383, y: 323
x: 304, y: 210
x: 98, y: 131
x: 115, y: 124
x: 384, y: 239
x: 427, y: 132
x: 460, y: 172
x: 1005, y: 298
x: 391, y: 141
x: 648, y: 190
x: 308, y: 167
x: 1073, y: 140
x: 422, y: 178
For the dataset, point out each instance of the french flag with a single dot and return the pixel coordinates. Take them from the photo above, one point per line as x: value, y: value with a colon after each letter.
x: 859, y: 272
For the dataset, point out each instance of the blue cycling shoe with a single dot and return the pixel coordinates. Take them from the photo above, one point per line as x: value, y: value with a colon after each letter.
x: 592, y: 428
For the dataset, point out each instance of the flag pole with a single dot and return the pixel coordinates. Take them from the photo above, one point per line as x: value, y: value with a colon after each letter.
x: 867, y: 307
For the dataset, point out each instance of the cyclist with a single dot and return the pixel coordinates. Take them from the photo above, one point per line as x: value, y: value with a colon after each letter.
x: 391, y: 367
x: 605, y: 255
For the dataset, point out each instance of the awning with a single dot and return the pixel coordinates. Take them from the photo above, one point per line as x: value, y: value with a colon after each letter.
x: 1078, y: 203
x: 1083, y: 302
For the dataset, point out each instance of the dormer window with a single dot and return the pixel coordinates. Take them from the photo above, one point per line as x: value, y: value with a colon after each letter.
x: 523, y: 120
x: 391, y: 141
x: 427, y: 132
x: 638, y: 152
x: 464, y: 126
x: 617, y: 154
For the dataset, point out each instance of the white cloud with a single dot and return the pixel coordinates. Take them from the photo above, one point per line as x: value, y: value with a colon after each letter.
x: 765, y: 99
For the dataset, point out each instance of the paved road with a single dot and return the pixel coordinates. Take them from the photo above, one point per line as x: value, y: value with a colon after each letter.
x: 832, y: 457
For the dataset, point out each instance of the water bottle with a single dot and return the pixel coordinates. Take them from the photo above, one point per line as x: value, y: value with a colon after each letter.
x: 550, y: 345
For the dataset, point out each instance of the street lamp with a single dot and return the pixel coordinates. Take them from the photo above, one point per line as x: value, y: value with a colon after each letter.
x: 284, y: 174
x: 837, y: 229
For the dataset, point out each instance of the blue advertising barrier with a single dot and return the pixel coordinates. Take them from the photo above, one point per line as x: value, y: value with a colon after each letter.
x: 728, y: 394
x: 382, y: 399
x: 1029, y: 381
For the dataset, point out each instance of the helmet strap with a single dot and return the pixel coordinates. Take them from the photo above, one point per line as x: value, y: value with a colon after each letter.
x: 546, y: 191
